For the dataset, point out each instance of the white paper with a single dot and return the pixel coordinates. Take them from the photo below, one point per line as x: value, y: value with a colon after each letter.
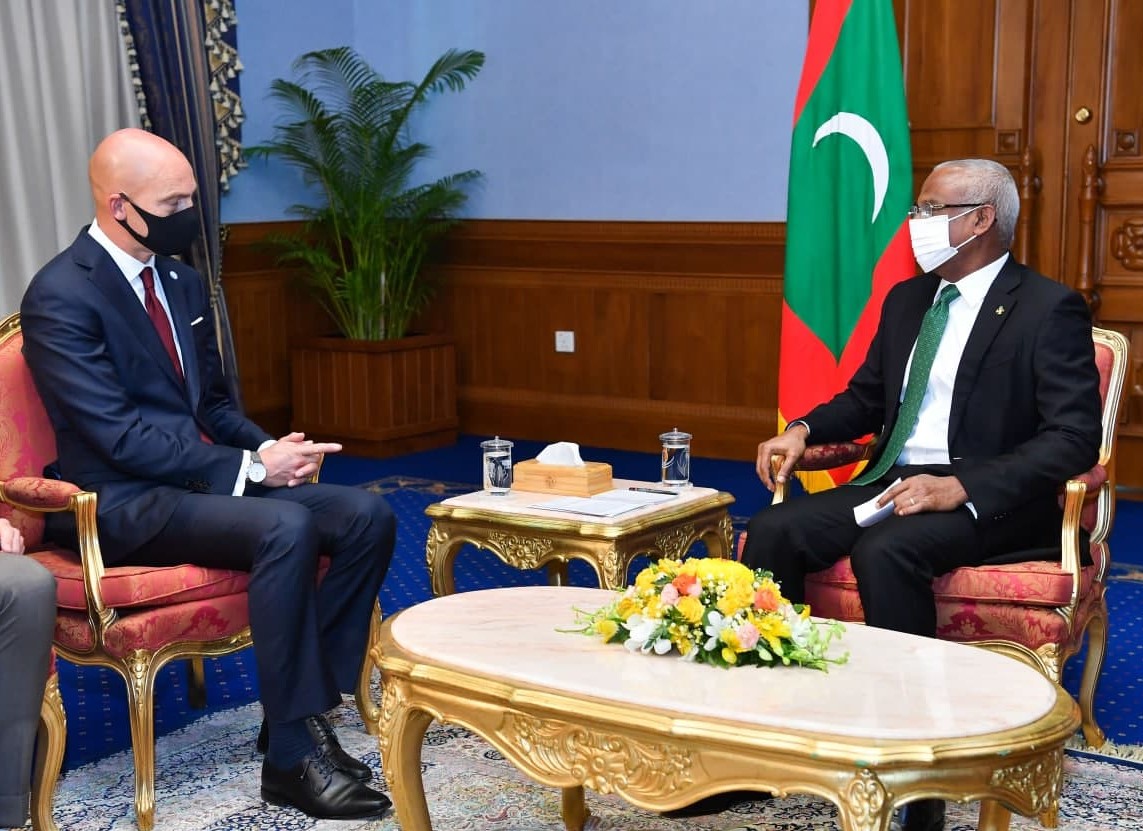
x: 651, y: 496
x: 867, y: 513
x: 588, y: 505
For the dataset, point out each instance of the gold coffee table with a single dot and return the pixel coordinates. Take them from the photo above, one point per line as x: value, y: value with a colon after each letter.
x: 906, y: 718
x: 528, y: 537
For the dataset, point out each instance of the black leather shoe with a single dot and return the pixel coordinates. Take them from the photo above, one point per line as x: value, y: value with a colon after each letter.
x: 326, y: 739
x: 315, y: 786
x: 922, y: 815
x: 327, y: 742
x: 715, y: 804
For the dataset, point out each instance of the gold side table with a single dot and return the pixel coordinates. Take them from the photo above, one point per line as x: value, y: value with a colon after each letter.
x: 525, y: 536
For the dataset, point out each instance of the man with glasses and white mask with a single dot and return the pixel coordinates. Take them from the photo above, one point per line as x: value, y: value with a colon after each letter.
x: 981, y: 387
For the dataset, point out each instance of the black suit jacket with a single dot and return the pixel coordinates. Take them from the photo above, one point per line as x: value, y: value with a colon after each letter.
x: 126, y: 427
x: 1026, y: 409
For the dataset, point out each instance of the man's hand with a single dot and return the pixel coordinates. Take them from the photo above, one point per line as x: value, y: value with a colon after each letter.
x: 790, y: 445
x: 11, y: 540
x: 292, y: 460
x: 919, y: 494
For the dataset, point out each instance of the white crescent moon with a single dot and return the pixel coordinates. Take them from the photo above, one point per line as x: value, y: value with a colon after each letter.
x: 869, y: 140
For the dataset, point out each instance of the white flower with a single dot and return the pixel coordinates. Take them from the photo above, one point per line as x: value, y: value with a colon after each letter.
x: 715, y: 624
x: 801, y: 628
x: 643, y: 634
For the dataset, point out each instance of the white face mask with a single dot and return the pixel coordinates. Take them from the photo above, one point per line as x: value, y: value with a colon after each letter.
x: 932, y: 247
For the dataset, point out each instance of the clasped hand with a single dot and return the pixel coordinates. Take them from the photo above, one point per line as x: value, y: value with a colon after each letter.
x: 292, y: 460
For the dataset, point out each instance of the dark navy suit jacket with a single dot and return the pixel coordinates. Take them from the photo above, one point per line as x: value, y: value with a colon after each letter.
x: 1026, y: 408
x: 126, y: 426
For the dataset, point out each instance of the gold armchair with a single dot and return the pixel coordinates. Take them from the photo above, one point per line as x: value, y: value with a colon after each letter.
x: 131, y: 619
x: 1036, y: 611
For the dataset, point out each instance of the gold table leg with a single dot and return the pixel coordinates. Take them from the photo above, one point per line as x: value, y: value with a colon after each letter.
x: 573, y: 810
x: 405, y: 732
x: 993, y: 816
x: 440, y: 554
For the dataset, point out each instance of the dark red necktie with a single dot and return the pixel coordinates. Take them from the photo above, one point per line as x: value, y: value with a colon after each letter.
x: 159, y: 318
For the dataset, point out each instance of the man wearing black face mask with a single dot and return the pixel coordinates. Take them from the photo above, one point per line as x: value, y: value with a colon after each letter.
x: 120, y: 342
x: 982, y: 387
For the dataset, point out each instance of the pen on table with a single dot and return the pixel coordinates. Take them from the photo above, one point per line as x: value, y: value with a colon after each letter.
x: 654, y: 490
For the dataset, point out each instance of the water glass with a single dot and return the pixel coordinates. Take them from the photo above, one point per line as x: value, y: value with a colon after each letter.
x: 497, y: 466
x: 676, y: 458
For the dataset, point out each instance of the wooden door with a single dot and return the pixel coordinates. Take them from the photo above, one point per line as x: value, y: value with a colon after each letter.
x: 1050, y: 88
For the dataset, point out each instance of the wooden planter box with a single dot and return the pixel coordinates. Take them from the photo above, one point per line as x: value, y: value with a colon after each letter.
x: 378, y: 398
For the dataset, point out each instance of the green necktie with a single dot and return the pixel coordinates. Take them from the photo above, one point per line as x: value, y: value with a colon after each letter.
x: 932, y: 328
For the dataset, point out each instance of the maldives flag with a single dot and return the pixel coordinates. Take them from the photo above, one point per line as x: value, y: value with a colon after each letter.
x: 847, y: 237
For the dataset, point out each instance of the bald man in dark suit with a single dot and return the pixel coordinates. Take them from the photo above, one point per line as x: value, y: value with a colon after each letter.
x: 121, y: 344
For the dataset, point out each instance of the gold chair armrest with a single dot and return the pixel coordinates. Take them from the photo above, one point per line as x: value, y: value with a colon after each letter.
x: 33, y: 494
x: 1075, y: 493
x: 821, y: 457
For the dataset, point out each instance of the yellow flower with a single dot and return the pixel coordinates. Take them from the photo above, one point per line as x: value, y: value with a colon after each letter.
x: 690, y: 608
x: 729, y: 655
x: 645, y: 580
x: 606, y: 628
x: 628, y: 606
x: 729, y: 637
x: 738, y: 596
x: 652, y: 607
x: 714, y: 570
x: 682, y: 642
x: 772, y: 628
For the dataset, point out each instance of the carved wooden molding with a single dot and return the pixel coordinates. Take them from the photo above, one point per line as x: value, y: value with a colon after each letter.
x: 1127, y: 244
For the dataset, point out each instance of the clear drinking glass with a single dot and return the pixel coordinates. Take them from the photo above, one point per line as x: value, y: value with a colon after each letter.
x: 497, y: 466
x: 676, y: 458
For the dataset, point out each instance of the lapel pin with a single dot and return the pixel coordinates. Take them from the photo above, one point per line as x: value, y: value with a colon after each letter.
x: 175, y: 277
x: 999, y: 310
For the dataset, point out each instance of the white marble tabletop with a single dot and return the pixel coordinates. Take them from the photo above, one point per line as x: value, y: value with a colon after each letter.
x: 520, y: 503
x: 894, y: 686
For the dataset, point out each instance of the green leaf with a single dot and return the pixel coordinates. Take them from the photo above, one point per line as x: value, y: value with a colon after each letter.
x: 345, y: 129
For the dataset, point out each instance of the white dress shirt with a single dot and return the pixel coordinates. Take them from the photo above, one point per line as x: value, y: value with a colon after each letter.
x: 928, y: 444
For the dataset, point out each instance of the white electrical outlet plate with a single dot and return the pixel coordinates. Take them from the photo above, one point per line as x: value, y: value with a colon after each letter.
x: 565, y: 341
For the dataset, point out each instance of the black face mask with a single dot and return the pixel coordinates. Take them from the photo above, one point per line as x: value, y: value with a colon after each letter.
x: 166, y: 235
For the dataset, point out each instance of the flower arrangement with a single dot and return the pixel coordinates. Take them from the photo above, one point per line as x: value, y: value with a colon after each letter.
x: 713, y: 611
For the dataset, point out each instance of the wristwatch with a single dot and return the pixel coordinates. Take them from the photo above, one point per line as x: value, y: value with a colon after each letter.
x: 256, y: 473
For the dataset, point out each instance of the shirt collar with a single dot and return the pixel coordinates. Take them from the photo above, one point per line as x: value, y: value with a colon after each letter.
x: 973, y: 287
x: 130, y: 266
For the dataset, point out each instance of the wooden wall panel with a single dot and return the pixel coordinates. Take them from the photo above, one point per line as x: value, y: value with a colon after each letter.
x: 676, y: 324
x: 269, y: 309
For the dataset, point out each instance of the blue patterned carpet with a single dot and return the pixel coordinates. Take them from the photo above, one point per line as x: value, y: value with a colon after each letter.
x: 95, y: 701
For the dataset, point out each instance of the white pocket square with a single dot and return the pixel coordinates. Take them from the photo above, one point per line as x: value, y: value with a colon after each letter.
x: 196, y: 321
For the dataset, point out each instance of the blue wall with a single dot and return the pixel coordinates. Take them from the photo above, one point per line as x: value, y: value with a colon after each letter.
x: 586, y: 109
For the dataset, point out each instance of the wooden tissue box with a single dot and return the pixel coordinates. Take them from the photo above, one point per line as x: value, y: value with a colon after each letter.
x: 568, y: 480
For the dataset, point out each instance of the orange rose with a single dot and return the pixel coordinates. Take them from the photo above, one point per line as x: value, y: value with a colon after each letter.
x: 766, y: 599
x: 683, y: 584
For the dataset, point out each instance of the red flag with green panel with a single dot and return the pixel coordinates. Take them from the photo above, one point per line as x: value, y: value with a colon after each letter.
x: 847, y: 238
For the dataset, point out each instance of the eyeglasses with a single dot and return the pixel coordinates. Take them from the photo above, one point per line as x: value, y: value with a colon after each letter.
x: 924, y: 210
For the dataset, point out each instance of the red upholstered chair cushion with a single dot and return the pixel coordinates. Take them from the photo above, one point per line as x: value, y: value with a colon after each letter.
x: 126, y: 587
x: 1014, y: 601
x: 150, y: 630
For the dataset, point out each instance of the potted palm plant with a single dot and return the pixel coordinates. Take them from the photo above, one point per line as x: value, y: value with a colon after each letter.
x: 365, y: 238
